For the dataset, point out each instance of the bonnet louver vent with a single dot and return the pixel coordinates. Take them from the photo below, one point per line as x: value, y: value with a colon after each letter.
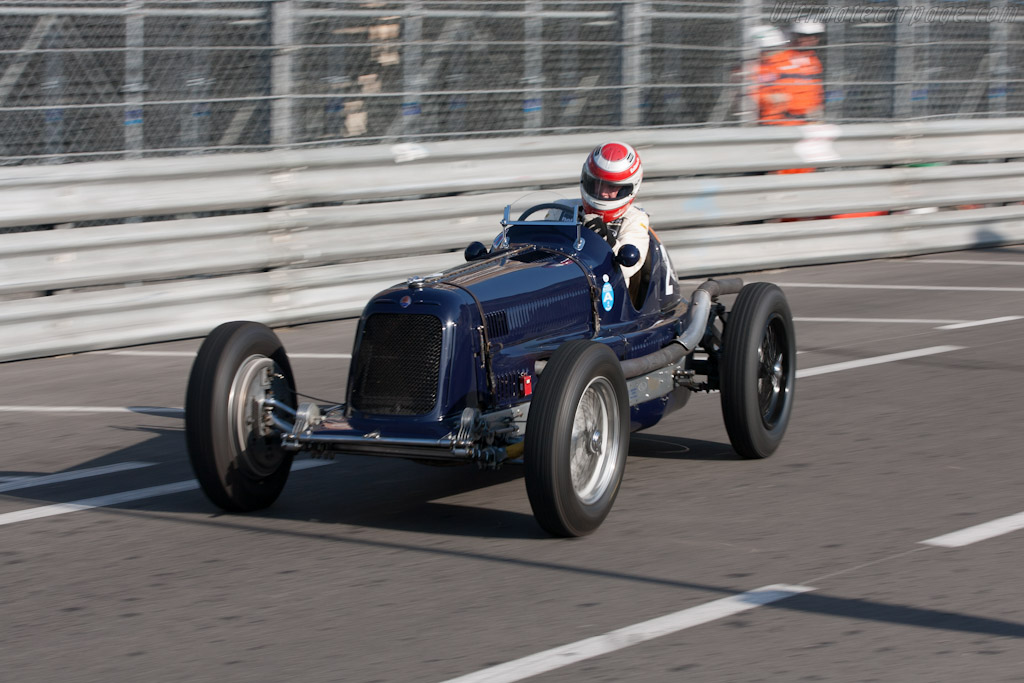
x: 497, y: 324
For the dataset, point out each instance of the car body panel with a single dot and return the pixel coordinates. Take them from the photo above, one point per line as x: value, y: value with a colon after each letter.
x: 499, y: 318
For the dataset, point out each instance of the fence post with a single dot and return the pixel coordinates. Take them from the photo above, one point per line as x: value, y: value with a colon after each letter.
x: 533, y: 60
x: 282, y: 32
x: 903, y: 69
x: 53, y: 87
x: 634, y: 66
x: 751, y: 54
x: 999, y: 68
x: 134, y: 78
x: 412, y: 69
x: 835, y: 78
x: 196, y: 117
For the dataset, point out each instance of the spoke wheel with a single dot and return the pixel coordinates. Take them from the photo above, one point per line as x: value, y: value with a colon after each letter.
x: 758, y: 370
x: 772, y: 377
x: 594, y: 439
x: 577, y: 438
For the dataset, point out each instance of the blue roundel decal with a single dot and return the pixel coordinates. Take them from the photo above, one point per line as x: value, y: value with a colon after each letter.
x: 607, y: 296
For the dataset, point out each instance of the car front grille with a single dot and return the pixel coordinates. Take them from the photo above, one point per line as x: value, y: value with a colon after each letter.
x: 397, y: 369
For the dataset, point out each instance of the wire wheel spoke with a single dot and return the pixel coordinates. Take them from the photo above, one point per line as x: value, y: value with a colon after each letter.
x: 771, y: 376
x: 594, y: 441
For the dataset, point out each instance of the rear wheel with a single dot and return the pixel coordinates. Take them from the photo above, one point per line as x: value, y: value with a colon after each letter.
x: 758, y: 370
x: 577, y: 437
x: 237, y: 457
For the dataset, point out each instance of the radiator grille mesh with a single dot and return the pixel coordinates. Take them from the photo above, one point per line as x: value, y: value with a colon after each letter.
x: 397, y: 369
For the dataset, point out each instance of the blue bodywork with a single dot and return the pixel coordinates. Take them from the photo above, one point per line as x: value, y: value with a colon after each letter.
x: 483, y: 326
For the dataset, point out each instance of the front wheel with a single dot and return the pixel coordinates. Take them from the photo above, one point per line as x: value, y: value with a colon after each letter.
x: 577, y: 437
x: 236, y: 455
x: 758, y: 370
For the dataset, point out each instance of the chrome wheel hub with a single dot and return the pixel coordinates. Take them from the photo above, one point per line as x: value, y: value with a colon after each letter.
x: 771, y: 373
x: 594, y: 448
x: 257, y: 378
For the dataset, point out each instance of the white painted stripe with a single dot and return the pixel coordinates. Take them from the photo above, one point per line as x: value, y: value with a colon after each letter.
x: 45, y: 479
x: 980, y: 532
x: 147, y: 354
x: 912, y: 321
x: 146, y: 410
x: 99, y: 501
x: 876, y: 360
x: 565, y: 655
x: 966, y: 262
x: 923, y: 288
x: 122, y: 497
x: 976, y: 323
x: 189, y: 354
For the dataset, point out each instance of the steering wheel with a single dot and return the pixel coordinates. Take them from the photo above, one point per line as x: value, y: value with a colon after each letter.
x: 567, y: 211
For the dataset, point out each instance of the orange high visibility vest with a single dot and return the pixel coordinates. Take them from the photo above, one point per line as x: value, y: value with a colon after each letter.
x: 789, y: 91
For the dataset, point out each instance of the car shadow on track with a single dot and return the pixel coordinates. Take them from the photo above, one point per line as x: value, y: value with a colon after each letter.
x: 664, y: 446
x: 361, y: 491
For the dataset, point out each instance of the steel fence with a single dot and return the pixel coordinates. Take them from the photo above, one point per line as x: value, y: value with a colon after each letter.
x: 129, y: 78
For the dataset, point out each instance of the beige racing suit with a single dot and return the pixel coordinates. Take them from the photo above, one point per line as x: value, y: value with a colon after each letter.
x: 632, y: 228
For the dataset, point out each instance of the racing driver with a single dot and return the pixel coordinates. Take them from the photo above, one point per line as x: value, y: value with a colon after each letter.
x: 609, y: 182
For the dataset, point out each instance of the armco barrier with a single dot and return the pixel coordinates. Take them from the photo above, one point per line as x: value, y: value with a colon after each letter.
x: 290, y: 261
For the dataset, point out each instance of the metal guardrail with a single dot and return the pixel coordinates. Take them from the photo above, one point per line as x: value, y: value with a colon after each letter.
x: 291, y: 259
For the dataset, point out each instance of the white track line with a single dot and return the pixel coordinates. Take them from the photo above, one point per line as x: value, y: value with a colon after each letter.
x: 945, y: 325
x: 45, y: 479
x: 976, y: 323
x: 565, y: 655
x: 147, y: 354
x: 146, y: 410
x: 189, y: 354
x: 97, y: 502
x: 980, y: 532
x: 967, y: 262
x: 876, y: 360
x: 921, y: 288
x: 123, y: 497
x: 912, y: 321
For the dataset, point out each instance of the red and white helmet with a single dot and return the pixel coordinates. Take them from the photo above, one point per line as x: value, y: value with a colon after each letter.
x: 610, y: 180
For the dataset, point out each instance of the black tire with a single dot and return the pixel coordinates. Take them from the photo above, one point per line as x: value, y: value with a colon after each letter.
x: 568, y: 501
x: 758, y: 370
x: 238, y: 461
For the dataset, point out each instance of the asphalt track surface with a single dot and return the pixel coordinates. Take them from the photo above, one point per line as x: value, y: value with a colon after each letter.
x: 833, y: 560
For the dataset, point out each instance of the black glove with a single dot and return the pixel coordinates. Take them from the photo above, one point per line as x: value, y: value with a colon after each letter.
x: 601, y: 228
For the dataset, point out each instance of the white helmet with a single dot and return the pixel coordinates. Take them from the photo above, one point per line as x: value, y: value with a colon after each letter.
x: 610, y: 180
x: 807, y: 28
x: 767, y: 37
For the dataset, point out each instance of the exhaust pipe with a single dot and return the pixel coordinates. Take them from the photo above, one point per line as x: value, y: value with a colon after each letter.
x: 697, y: 313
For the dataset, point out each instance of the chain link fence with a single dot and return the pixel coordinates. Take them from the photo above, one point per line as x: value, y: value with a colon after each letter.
x: 130, y: 78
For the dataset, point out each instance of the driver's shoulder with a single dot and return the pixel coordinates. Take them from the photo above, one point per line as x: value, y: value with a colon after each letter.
x: 636, y: 217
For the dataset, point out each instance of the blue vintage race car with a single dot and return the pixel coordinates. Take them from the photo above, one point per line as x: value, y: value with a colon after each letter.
x: 533, y: 351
